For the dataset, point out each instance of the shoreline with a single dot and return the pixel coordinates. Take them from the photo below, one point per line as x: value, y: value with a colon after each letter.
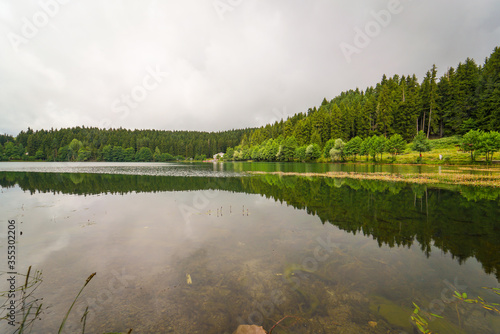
x: 495, y: 164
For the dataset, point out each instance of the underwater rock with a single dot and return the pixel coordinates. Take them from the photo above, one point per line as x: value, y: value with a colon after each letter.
x: 250, y: 329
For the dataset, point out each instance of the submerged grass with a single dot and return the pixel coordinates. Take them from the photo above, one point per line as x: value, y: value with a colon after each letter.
x: 420, y: 318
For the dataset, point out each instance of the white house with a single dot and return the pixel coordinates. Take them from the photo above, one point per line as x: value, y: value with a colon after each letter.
x: 218, y: 154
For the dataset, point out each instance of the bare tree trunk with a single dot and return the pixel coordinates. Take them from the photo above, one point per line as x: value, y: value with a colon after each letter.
x: 417, y: 126
x: 423, y: 123
x: 429, y: 127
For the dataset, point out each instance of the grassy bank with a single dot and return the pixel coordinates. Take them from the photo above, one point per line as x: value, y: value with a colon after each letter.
x: 444, y: 151
x: 449, y: 156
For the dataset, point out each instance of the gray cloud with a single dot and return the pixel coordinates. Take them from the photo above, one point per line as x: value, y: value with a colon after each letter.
x: 262, y: 61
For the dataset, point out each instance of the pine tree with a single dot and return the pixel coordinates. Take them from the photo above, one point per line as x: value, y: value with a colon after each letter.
x: 429, y: 97
x: 336, y: 124
x: 464, y: 85
x: 384, y: 111
x: 445, y: 102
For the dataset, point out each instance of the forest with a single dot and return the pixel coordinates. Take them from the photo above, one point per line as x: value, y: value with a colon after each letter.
x: 93, y: 144
x: 463, y: 99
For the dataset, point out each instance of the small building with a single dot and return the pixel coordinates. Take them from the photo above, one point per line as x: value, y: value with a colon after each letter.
x: 218, y: 155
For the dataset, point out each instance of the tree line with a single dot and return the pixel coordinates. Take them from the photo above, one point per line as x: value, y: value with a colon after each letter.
x: 464, y: 98
x: 88, y: 143
x: 287, y: 149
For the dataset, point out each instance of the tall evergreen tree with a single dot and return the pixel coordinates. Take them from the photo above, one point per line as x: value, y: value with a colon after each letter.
x: 429, y: 98
x: 464, y: 86
x: 445, y: 102
x: 384, y: 111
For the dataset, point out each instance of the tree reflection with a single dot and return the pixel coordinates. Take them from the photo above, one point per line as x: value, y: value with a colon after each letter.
x: 463, y: 221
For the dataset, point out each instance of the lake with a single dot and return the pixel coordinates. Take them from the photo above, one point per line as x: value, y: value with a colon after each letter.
x: 202, y: 248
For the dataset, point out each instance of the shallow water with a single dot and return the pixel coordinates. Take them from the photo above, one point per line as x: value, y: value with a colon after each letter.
x: 338, y: 255
x: 126, y: 168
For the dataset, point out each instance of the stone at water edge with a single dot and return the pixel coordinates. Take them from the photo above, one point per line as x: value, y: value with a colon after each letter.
x: 250, y: 329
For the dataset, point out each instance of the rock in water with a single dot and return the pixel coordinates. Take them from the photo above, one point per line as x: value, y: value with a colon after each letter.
x: 250, y: 329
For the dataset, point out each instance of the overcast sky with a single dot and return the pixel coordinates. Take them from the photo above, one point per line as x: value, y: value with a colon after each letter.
x: 217, y: 65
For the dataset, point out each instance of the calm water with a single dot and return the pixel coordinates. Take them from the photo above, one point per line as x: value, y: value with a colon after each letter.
x: 226, y: 169
x: 339, y: 255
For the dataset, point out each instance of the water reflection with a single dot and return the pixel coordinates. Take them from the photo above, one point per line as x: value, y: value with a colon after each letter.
x: 464, y: 223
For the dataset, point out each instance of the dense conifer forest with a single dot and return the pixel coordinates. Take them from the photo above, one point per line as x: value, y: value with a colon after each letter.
x: 464, y: 98
x: 82, y: 144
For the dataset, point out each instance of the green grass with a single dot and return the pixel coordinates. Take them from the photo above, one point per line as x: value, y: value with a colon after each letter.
x: 450, y: 156
x: 447, y: 147
x: 447, y: 142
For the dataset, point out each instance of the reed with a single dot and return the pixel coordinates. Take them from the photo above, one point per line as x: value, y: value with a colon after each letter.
x: 74, y: 301
x: 29, y: 305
